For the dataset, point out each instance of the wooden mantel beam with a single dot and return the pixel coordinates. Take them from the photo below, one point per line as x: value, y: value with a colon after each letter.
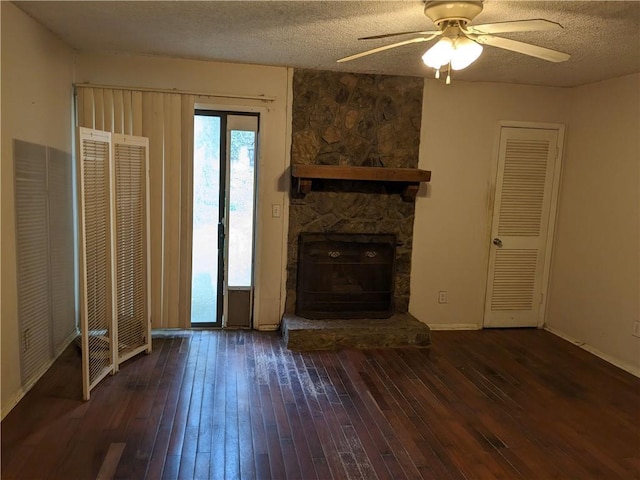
x: 303, y: 176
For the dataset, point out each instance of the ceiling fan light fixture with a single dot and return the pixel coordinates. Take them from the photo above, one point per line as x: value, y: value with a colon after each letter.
x: 466, y: 52
x: 457, y: 52
x: 440, y: 54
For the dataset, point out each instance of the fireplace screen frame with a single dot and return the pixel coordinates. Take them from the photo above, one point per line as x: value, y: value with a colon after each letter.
x: 345, y: 256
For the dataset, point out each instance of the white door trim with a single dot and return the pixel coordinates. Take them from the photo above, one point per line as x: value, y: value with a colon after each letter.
x: 553, y: 212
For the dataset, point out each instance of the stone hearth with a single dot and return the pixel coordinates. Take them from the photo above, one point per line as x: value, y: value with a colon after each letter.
x: 401, y: 330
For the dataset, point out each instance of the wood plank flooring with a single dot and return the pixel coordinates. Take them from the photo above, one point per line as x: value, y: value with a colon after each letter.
x: 510, y: 404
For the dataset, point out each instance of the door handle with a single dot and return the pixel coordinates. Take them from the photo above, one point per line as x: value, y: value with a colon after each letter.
x: 497, y: 242
x: 221, y: 232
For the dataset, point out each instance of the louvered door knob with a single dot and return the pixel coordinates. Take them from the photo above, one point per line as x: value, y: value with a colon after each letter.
x: 497, y: 242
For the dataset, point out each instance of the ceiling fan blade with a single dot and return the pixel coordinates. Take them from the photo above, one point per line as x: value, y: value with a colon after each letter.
x: 385, y: 47
x: 535, y: 25
x: 417, y: 32
x: 521, y: 47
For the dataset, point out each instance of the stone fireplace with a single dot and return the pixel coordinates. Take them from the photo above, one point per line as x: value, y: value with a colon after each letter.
x: 355, y: 120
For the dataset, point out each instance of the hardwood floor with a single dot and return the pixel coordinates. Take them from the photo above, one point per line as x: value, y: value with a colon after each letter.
x: 512, y: 404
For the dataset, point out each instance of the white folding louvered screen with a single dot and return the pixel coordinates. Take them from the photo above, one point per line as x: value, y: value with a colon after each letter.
x: 96, y: 279
x: 521, y: 216
x: 114, y: 219
x: 32, y: 258
x: 131, y: 158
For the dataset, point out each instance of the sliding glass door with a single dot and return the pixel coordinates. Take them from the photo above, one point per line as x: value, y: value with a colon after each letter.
x: 223, y: 218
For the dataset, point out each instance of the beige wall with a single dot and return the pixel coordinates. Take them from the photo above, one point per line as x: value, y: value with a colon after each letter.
x: 595, y: 278
x: 226, y: 79
x: 460, y: 128
x: 595, y: 284
x: 37, y: 76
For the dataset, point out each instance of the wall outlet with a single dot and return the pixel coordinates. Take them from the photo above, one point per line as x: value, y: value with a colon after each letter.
x: 442, y: 296
x: 636, y: 329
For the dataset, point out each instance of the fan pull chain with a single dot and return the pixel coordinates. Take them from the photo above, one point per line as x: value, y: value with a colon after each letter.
x: 448, y: 81
x: 437, y: 73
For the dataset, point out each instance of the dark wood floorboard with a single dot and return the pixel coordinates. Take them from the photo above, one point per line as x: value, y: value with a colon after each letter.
x: 494, y: 404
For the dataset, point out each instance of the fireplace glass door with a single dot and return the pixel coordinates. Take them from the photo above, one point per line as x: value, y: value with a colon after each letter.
x: 345, y: 275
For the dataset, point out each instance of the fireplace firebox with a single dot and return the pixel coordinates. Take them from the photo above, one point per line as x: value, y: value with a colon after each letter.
x: 345, y: 275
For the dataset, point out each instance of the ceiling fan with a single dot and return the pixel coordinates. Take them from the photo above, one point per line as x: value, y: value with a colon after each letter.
x: 461, y: 44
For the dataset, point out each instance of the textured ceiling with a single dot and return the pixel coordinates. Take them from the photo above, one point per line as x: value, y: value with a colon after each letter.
x: 603, y: 37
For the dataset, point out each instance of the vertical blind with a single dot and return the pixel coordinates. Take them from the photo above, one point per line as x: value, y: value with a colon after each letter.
x: 167, y: 120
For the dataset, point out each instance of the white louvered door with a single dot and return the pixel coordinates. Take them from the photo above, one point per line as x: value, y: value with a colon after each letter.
x: 131, y: 160
x: 97, y: 301
x: 524, y: 188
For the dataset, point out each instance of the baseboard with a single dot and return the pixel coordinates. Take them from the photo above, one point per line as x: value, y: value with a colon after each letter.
x: 19, y: 395
x: 635, y: 371
x: 268, y: 328
x: 170, y: 332
x: 453, y: 326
